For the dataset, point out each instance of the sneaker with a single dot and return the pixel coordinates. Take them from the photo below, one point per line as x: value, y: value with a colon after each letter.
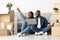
x: 23, y: 34
x: 45, y: 33
x: 19, y: 34
x: 36, y: 33
x: 39, y: 33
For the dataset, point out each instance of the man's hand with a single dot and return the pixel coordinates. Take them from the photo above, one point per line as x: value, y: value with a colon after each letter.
x: 52, y: 24
x: 18, y: 9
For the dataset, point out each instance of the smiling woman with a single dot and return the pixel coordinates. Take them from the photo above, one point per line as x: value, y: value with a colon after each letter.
x: 29, y: 5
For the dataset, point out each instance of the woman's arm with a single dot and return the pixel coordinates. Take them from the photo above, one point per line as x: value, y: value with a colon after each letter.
x: 21, y: 14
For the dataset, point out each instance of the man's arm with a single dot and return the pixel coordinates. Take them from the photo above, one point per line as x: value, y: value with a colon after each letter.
x: 46, y: 22
x: 51, y: 21
x: 21, y: 14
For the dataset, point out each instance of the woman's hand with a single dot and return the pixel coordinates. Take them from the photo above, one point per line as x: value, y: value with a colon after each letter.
x: 18, y: 9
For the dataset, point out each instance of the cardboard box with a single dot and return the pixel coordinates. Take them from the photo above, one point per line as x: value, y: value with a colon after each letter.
x: 7, y: 17
x: 5, y: 31
x: 55, y: 31
x: 11, y: 13
x: 55, y: 16
x: 4, y: 18
x: 56, y: 24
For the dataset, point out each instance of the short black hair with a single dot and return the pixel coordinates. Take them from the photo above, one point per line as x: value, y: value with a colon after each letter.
x: 39, y: 11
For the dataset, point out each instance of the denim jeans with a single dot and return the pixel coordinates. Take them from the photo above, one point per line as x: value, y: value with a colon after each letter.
x: 31, y: 29
x: 35, y: 29
x: 26, y: 29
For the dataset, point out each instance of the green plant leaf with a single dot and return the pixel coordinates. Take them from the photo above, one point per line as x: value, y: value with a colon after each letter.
x: 55, y: 9
x: 9, y: 4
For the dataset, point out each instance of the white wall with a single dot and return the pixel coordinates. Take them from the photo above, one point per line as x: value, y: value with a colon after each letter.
x: 29, y: 5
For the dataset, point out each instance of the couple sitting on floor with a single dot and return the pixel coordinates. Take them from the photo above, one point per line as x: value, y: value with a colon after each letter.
x: 40, y: 28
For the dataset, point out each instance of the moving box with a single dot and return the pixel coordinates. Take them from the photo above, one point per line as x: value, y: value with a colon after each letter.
x: 55, y: 31
x: 6, y: 19
x: 4, y: 29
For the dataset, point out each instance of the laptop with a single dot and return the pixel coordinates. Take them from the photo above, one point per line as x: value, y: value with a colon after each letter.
x: 31, y: 21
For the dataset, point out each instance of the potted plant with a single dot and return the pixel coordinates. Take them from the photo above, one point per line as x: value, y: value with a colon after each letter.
x: 9, y: 5
x: 56, y: 9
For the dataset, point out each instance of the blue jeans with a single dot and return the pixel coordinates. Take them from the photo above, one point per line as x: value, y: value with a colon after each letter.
x: 35, y: 29
x: 31, y: 29
x: 26, y: 29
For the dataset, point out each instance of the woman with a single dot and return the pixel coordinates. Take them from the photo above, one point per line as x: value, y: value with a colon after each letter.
x: 25, y: 29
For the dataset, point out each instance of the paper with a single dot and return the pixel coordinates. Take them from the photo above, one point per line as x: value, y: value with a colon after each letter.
x: 9, y: 27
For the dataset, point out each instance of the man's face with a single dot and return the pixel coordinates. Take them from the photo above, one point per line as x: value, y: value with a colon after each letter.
x: 37, y: 13
x: 29, y: 15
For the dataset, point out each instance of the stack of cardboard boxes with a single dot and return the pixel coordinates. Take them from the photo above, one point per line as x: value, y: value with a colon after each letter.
x: 55, y: 30
x: 6, y: 19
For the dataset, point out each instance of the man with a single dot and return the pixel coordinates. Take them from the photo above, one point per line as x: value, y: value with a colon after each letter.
x: 42, y: 24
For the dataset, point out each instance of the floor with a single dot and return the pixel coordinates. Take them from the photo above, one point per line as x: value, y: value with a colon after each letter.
x: 29, y: 37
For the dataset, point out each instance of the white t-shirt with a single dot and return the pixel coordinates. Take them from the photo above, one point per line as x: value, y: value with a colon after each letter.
x: 39, y: 25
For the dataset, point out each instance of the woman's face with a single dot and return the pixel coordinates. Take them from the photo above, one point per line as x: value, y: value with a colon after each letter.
x: 29, y: 15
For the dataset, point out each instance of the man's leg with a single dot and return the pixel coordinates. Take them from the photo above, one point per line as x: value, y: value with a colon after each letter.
x: 36, y: 30
x: 46, y: 29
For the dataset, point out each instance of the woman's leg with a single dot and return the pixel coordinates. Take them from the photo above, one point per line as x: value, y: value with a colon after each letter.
x: 24, y: 25
x: 34, y: 29
x: 27, y: 30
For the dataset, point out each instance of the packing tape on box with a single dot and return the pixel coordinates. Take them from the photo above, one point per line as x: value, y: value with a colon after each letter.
x: 2, y: 25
